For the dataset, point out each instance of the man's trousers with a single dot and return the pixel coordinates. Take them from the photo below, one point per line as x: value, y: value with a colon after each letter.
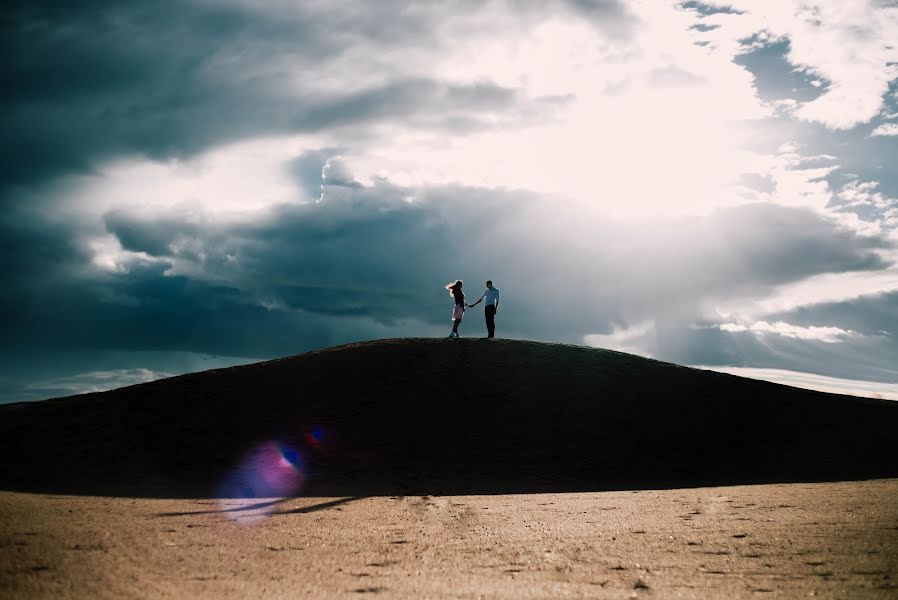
x: 489, y: 312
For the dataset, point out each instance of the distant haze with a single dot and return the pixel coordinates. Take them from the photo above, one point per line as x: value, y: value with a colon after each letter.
x: 188, y: 185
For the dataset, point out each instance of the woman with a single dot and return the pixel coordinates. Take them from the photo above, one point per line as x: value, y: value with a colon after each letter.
x: 458, y: 311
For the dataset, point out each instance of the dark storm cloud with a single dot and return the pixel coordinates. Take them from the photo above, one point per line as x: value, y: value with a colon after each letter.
x: 147, y: 310
x: 745, y: 250
x: 866, y: 351
x: 373, y: 236
x: 777, y: 244
x: 306, y: 170
x: 380, y: 253
x: 870, y: 358
x: 871, y: 354
x: 707, y: 9
x: 363, y: 251
x: 370, y: 261
x: 87, y: 81
x: 872, y: 315
x: 36, y: 250
x: 136, y: 236
x: 415, y: 101
x: 84, y: 82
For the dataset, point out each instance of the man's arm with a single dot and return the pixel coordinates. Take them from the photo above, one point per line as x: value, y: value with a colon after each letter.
x: 478, y: 300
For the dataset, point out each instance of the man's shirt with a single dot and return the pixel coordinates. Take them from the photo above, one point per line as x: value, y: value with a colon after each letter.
x: 490, y: 296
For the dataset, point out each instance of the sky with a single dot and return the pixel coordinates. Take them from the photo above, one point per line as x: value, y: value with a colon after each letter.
x: 194, y: 184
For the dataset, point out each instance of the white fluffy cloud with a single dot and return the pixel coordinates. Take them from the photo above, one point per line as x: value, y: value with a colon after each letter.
x: 639, y: 338
x: 886, y: 129
x: 653, y: 103
x: 829, y: 335
x: 845, y: 43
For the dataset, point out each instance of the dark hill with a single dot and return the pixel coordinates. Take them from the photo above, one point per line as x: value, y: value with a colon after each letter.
x: 447, y: 416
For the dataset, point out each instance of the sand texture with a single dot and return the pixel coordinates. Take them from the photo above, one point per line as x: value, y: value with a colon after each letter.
x: 831, y: 540
x: 450, y: 468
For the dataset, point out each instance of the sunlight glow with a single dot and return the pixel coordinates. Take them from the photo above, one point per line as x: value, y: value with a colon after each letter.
x: 628, y: 133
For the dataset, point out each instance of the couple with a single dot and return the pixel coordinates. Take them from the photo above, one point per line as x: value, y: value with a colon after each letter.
x: 491, y: 295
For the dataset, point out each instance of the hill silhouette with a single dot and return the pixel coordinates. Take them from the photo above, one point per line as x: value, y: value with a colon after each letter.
x: 446, y: 416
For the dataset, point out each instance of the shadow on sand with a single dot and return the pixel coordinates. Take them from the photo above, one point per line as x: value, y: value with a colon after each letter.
x: 267, y: 504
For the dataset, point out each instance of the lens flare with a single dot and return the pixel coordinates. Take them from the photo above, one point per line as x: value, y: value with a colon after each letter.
x: 315, y: 436
x: 270, y: 470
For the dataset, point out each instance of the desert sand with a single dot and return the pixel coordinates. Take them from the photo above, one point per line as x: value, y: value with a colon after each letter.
x: 450, y: 468
x: 826, y: 540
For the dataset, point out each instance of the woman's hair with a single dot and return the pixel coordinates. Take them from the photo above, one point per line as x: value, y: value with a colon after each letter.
x: 451, y: 286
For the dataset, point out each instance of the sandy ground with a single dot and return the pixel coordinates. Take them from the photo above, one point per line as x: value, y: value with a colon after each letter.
x: 830, y: 540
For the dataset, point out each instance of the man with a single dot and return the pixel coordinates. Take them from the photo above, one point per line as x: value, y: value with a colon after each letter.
x: 490, y: 308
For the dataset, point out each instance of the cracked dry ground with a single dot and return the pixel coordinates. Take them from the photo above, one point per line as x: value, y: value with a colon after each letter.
x: 829, y: 540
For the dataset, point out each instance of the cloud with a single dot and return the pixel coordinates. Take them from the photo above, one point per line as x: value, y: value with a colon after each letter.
x: 853, y: 387
x: 859, y: 357
x: 258, y: 179
x: 674, y: 76
x: 819, y: 289
x: 798, y: 179
x: 639, y: 338
x: 708, y: 8
x: 829, y: 335
x: 845, y: 44
x: 886, y: 129
x: 855, y: 205
x: 862, y: 206
x: 870, y: 314
x: 611, y: 16
x: 369, y: 259
x: 865, y: 327
x: 94, y: 381
x: 173, y: 78
x: 335, y: 171
x: 863, y: 193
x: 34, y: 374
x: 440, y: 92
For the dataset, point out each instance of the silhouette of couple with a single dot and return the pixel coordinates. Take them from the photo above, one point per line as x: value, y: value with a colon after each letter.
x: 490, y: 297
